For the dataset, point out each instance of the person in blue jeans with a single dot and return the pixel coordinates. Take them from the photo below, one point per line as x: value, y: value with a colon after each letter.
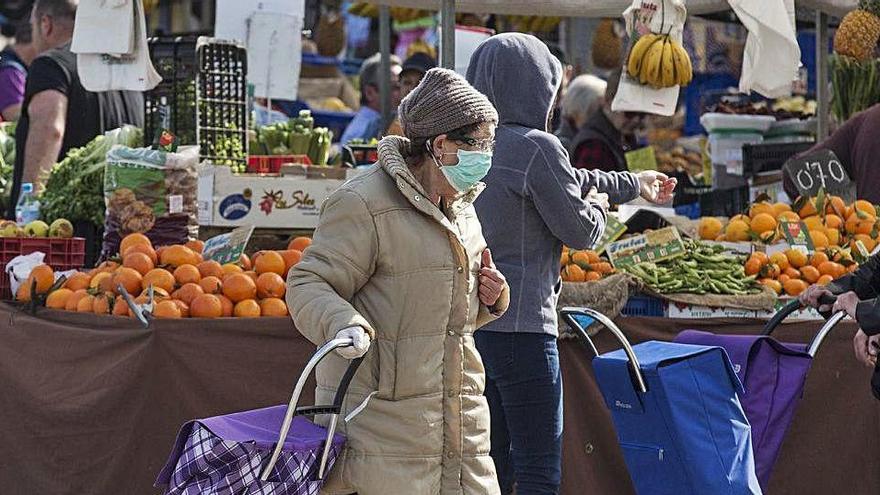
x: 533, y: 203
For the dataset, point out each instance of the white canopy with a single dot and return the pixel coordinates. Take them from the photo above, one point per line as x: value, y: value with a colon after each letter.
x: 593, y: 8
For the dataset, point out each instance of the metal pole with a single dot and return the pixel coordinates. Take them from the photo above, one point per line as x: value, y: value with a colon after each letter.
x: 447, y: 34
x: 385, y: 70
x: 823, y: 98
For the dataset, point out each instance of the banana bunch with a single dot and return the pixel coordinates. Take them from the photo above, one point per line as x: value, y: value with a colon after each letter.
x: 533, y: 24
x: 660, y: 62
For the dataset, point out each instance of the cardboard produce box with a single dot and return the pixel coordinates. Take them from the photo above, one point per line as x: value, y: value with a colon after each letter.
x: 264, y: 201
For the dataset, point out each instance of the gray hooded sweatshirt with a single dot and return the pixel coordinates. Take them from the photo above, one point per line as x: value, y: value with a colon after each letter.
x: 534, y: 200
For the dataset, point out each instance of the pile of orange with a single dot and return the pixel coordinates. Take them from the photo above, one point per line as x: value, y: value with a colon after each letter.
x: 792, y: 271
x: 583, y: 266
x: 184, y: 283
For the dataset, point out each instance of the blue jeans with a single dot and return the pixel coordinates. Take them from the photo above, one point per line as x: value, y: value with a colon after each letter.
x: 524, y: 391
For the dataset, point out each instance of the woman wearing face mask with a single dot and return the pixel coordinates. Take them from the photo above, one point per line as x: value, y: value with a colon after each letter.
x: 399, y: 264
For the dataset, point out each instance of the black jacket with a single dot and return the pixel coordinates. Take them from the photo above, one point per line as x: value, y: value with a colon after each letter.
x: 865, y: 282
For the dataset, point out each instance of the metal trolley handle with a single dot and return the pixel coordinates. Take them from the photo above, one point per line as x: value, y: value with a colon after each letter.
x: 568, y: 314
x: 820, y: 335
x: 334, y: 410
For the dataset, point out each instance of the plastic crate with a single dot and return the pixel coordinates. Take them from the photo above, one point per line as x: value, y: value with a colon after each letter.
x: 724, y: 202
x: 643, y: 305
x: 765, y: 157
x: 335, y: 121
x: 205, y: 89
x: 61, y: 255
x: 271, y: 164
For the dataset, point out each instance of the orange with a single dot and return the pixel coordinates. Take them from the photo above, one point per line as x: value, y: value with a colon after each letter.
x: 245, y: 262
x: 102, y: 281
x: 196, y: 245
x: 833, y: 237
x: 292, y: 257
x: 270, y: 262
x: 77, y: 281
x: 794, y: 287
x: 188, y: 292
x: 187, y: 274
x: 780, y: 259
x: 788, y: 216
x: 763, y: 222
x: 120, y: 307
x: 860, y: 223
x: 780, y: 208
x: 820, y: 240
x: 238, y: 287
x: 603, y: 267
x: 273, y: 307
x: 179, y: 255
x: 864, y: 206
x: 230, y: 268
x: 85, y: 304
x: 833, y: 221
x: 206, y: 306
x: 160, y: 278
x: 810, y: 273
x: 825, y: 280
x: 753, y: 266
x: 299, y: 243
x: 184, y: 308
x: 773, y: 284
x: 57, y: 299
x: 580, y: 258
x: 73, y: 300
x: 167, y: 309
x: 101, y: 304
x: 867, y: 240
x: 252, y: 275
x: 23, y: 294
x: 132, y: 240
x: 796, y: 258
x: 814, y: 223
x: 45, y: 277
x: 140, y: 262
x: 770, y: 271
x: 806, y: 207
x: 573, y: 273
x: 762, y: 208
x: 247, y: 308
x: 761, y: 256
x: 143, y: 249
x: 129, y: 278
x: 831, y: 269
x: 710, y: 228
x: 565, y: 258
x: 792, y: 273
x: 210, y: 268
x: 270, y: 285
x: 211, y: 285
x: 737, y: 231
x: 744, y: 218
x: 818, y: 258
x: 783, y: 278
x: 834, y: 205
x: 227, y: 305
x: 593, y: 276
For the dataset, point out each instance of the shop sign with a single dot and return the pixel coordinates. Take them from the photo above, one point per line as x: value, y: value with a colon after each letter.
x: 653, y: 247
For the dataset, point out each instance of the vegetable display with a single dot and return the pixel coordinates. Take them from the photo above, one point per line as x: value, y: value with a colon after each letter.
x: 75, y: 187
x: 298, y: 136
x: 703, y: 269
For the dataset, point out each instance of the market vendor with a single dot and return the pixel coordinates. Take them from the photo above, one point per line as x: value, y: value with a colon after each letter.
x: 856, y: 145
x: 534, y: 203
x: 414, y: 69
x: 14, y: 61
x: 602, y: 142
x: 585, y: 95
x: 58, y: 113
x: 367, y: 122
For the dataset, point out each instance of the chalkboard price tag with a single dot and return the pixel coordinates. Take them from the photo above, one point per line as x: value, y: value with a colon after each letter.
x: 820, y: 170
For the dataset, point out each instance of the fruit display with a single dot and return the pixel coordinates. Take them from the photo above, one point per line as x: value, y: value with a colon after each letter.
x: 680, y: 160
x: 60, y: 229
x: 859, y: 31
x: 298, y: 136
x: 184, y: 284
x: 796, y: 107
x: 830, y: 221
x: 790, y: 272
x: 583, y: 266
x: 854, y: 85
x: 660, y: 62
x: 703, y: 269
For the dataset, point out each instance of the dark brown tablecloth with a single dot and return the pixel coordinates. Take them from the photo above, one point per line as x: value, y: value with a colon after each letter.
x: 91, y: 405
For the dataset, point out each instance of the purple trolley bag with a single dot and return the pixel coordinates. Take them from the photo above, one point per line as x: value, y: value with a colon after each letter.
x: 244, y: 454
x: 773, y: 375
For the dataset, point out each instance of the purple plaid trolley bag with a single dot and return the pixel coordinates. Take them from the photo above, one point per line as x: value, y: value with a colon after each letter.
x: 773, y: 375
x: 243, y: 453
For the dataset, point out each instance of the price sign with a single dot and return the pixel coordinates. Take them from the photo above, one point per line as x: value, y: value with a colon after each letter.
x: 820, y: 170
x: 641, y: 159
x: 614, y: 228
x: 654, y: 246
x: 228, y: 248
x: 798, y: 236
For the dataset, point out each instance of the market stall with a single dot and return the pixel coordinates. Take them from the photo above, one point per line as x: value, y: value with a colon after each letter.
x: 93, y: 403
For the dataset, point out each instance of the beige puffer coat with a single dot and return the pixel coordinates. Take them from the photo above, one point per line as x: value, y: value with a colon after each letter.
x: 386, y: 258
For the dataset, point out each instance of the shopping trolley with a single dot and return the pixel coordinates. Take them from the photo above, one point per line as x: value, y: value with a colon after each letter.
x: 241, y: 453
x: 679, y: 423
x: 773, y: 375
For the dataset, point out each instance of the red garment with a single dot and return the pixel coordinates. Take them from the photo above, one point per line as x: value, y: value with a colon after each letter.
x: 594, y: 154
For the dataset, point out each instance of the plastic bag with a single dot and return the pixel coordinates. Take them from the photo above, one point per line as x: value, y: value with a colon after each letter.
x: 151, y: 192
x: 20, y: 267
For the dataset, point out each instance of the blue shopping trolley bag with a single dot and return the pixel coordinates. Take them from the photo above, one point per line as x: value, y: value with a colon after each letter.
x: 680, y: 424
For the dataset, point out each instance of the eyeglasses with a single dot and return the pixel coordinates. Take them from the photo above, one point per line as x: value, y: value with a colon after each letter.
x: 485, y: 145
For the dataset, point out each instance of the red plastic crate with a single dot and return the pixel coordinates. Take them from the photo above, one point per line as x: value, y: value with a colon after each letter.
x: 271, y: 164
x: 61, y: 255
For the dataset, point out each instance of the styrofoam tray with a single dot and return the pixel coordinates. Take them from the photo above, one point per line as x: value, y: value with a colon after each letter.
x: 729, y: 122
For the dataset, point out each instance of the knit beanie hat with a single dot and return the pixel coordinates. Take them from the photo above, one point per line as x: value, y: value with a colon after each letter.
x: 443, y: 102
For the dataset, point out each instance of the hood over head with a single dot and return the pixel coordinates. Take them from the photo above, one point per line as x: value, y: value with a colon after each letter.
x: 520, y: 77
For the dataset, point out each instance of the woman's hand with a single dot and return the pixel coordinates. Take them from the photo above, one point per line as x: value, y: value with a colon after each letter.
x: 491, y: 280
x: 847, y: 303
x: 656, y: 187
x: 360, y: 342
x: 811, y: 296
